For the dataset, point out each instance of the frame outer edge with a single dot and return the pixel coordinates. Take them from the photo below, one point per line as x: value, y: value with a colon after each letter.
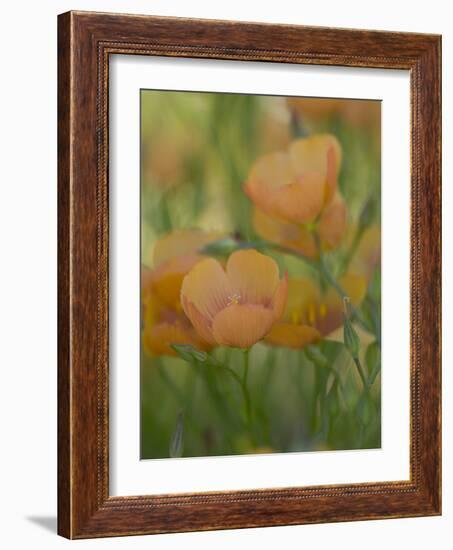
x: 64, y: 526
x: 438, y: 297
x: 426, y: 276
x: 432, y: 212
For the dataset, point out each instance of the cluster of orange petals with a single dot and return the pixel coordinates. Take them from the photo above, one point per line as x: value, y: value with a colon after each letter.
x: 163, y: 326
x: 238, y: 306
x: 296, y: 197
x: 164, y: 322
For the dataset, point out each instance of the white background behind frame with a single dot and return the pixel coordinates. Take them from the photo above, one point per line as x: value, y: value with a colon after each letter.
x: 128, y: 474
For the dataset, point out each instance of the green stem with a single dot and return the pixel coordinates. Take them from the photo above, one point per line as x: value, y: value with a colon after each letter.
x: 216, y: 397
x: 352, y: 249
x: 245, y: 387
x: 245, y: 391
x: 325, y: 272
x: 246, y: 367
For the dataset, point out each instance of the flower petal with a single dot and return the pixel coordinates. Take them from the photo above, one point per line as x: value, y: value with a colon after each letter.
x: 311, y: 155
x: 319, y: 154
x: 207, y: 287
x: 301, y: 201
x: 332, y: 224
x: 181, y: 242
x: 200, y: 323
x: 271, y: 171
x: 292, y: 336
x: 241, y: 326
x: 296, y: 185
x: 355, y: 287
x: 167, y: 279
x: 253, y: 276
x: 157, y: 338
x: 331, y: 175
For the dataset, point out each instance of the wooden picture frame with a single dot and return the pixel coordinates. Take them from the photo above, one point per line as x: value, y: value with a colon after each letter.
x: 85, y: 42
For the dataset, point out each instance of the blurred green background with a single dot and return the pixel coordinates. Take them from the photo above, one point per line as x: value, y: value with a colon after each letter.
x: 197, y: 150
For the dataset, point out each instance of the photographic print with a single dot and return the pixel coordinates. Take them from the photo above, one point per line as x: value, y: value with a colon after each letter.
x: 260, y: 274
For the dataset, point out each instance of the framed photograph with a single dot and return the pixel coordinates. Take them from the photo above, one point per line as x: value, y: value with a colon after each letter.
x: 249, y: 275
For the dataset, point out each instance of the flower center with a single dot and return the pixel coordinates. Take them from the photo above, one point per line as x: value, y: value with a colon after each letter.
x: 234, y: 299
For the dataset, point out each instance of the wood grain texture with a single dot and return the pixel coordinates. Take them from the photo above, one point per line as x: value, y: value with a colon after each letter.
x: 86, y: 40
x: 64, y: 374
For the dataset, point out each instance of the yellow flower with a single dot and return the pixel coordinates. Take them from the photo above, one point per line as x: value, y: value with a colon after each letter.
x: 310, y: 315
x: 163, y: 326
x: 236, y: 307
x: 174, y: 255
x: 297, y: 185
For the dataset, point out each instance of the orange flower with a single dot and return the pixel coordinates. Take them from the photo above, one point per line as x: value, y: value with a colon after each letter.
x: 300, y: 238
x: 163, y: 326
x: 296, y: 185
x: 236, y: 307
x: 164, y: 322
x: 310, y: 315
x: 174, y: 255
